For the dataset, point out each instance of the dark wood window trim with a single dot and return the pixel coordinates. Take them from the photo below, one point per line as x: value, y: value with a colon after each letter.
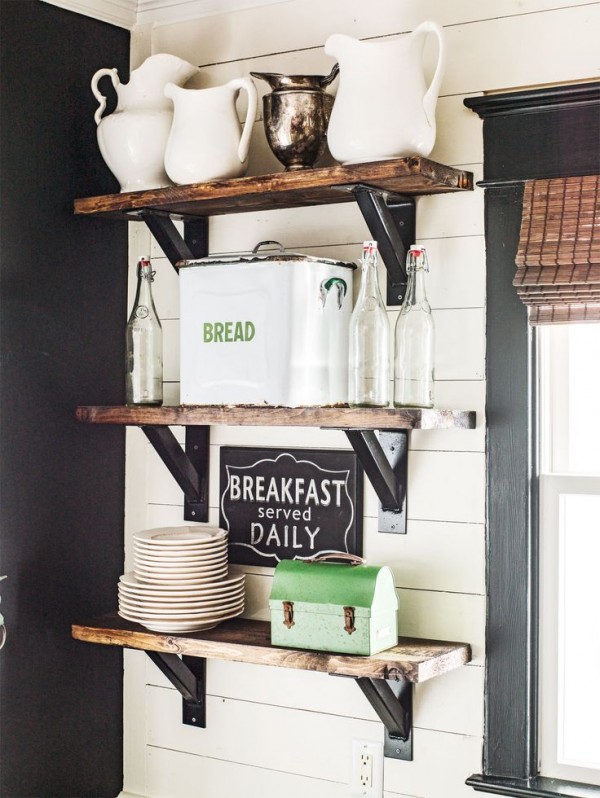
x: 540, y: 133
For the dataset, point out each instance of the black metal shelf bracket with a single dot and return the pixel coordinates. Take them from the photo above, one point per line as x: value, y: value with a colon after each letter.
x: 188, y: 676
x: 391, y: 221
x: 193, y: 244
x: 189, y: 467
x: 389, y: 217
x: 385, y: 462
x: 392, y: 701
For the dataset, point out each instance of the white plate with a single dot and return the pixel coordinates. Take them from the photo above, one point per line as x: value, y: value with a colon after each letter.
x: 182, y: 615
x: 198, y: 594
x: 147, y: 610
x: 179, y: 580
x: 170, y: 627
x: 183, y: 570
x: 170, y: 606
x: 176, y: 549
x: 181, y: 535
x: 172, y: 561
x: 210, y: 550
x: 180, y: 622
x: 193, y: 594
x: 234, y: 577
x: 175, y: 594
x: 147, y: 570
x: 196, y: 591
x: 185, y: 604
x: 215, y: 559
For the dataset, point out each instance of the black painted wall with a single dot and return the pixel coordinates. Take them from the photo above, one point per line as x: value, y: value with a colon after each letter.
x: 62, y: 312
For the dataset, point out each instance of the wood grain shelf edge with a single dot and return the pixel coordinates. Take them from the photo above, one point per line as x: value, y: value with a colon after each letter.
x: 411, y: 176
x: 248, y: 641
x: 323, y: 417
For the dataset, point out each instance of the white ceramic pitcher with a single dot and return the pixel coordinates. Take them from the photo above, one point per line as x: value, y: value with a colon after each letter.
x: 206, y: 140
x: 132, y: 140
x: 383, y: 109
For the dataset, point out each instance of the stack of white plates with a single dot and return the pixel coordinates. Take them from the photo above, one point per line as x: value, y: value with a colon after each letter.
x: 182, y: 581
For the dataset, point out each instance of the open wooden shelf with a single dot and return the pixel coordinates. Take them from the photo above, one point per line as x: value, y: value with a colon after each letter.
x: 245, y: 415
x: 383, y: 191
x: 190, y: 467
x: 405, y: 176
x: 240, y: 640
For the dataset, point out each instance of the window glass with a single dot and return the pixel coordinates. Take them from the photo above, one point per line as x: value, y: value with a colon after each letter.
x: 578, y: 628
x: 570, y: 357
x: 569, y: 388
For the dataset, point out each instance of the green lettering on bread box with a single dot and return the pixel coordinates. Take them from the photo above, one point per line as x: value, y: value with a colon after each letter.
x: 227, y: 332
x: 332, y: 606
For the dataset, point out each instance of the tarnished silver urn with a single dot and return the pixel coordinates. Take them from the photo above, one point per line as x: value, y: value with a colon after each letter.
x: 296, y: 114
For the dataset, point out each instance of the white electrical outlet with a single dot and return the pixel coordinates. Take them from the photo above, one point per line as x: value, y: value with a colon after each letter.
x: 366, y: 779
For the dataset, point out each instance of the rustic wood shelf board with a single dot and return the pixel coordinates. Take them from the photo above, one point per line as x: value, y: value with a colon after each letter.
x: 324, y: 417
x: 241, y: 640
x: 404, y: 176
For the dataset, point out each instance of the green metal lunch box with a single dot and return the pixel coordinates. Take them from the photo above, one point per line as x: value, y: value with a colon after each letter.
x: 332, y: 606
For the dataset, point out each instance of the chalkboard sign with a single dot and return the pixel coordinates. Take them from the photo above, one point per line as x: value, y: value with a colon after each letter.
x: 290, y: 504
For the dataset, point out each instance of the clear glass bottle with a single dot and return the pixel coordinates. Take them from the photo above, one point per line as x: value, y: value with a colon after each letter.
x: 144, y: 360
x: 414, y: 338
x: 369, y: 339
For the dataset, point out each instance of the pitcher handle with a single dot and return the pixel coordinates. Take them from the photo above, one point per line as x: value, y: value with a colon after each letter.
x: 431, y: 95
x: 245, y: 84
x: 114, y: 76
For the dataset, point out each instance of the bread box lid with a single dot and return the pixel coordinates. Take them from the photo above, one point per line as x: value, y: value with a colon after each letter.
x: 277, y: 256
x: 326, y: 586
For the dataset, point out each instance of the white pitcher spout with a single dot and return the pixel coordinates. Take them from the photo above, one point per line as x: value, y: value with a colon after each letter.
x: 165, y: 67
x: 171, y: 90
x: 182, y: 71
x: 146, y: 84
x: 338, y: 44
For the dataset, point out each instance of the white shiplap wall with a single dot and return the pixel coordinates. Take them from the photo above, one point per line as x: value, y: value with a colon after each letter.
x: 273, y: 732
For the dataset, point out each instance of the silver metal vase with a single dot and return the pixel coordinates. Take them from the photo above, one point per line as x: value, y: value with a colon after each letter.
x: 296, y: 115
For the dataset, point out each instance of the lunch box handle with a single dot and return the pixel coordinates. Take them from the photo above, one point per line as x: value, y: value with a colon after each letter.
x: 264, y: 244
x: 351, y: 559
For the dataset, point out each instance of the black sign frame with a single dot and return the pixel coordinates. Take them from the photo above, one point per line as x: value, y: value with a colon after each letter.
x: 290, y: 503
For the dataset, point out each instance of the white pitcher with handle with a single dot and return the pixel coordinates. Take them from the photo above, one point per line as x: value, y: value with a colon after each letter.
x: 206, y: 141
x: 132, y: 140
x: 383, y: 108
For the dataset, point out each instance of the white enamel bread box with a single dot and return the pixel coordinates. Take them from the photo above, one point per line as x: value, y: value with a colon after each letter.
x: 266, y: 328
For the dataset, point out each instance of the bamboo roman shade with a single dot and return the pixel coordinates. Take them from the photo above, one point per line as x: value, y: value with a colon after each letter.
x: 558, y: 260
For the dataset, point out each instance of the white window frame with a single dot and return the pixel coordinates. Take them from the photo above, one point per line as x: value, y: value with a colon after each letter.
x: 554, y: 483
